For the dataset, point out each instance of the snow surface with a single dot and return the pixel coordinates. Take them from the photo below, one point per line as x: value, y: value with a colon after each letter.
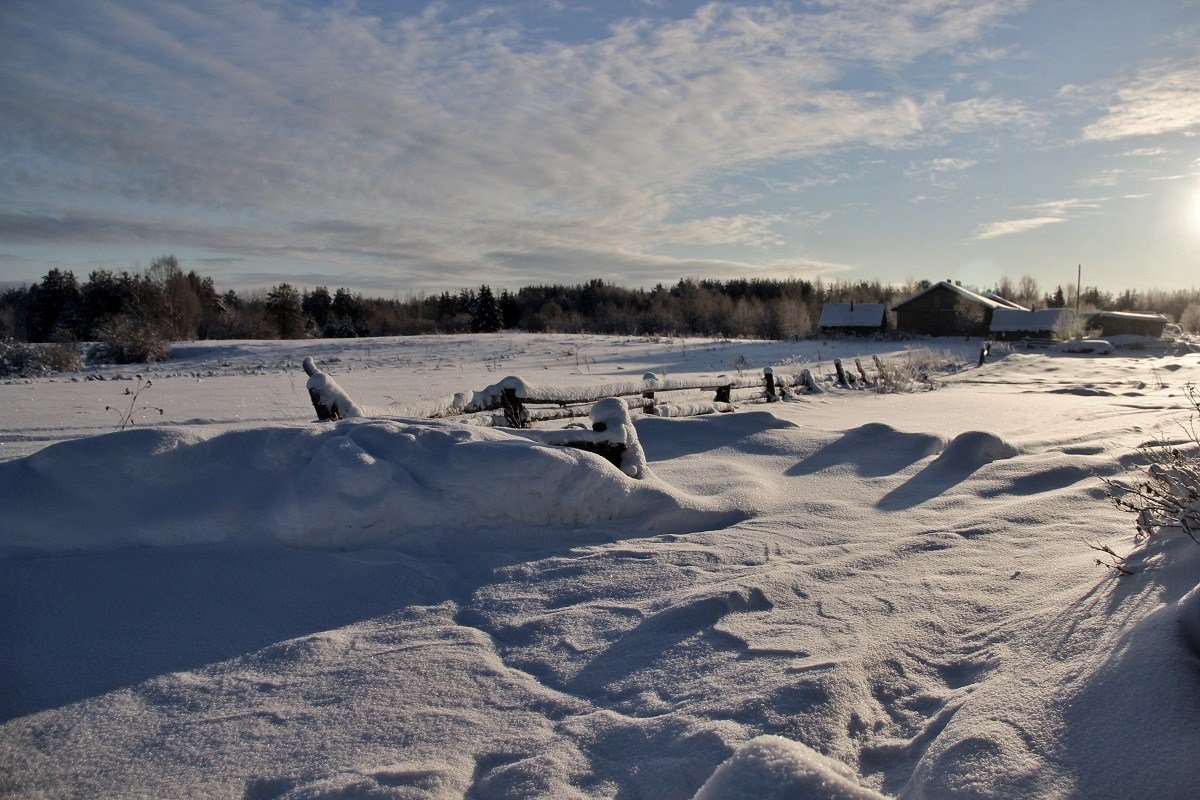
x: 844, y: 594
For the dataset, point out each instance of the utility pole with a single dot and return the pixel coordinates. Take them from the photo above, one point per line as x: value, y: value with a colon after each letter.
x: 1078, y: 287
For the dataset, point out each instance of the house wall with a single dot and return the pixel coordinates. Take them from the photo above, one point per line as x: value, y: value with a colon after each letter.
x: 1116, y: 326
x: 852, y: 330
x: 943, y: 312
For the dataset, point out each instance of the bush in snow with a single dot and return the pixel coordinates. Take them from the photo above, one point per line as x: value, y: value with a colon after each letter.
x: 126, y: 340
x: 914, y: 371
x: 1167, y: 494
x: 1189, y: 320
x: 26, y: 360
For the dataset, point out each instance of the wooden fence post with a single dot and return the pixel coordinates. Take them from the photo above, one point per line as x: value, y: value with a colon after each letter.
x: 724, y: 393
x: 983, y: 352
x: 515, y: 413
x: 841, y: 373
x: 769, y: 380
x: 648, y: 406
x: 866, y: 381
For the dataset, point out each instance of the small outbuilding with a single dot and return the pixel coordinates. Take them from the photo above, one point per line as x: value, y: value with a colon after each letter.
x: 1012, y: 323
x: 1116, y: 323
x: 947, y: 309
x: 852, y: 319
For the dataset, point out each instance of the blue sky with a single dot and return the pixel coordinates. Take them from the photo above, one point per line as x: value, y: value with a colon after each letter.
x: 408, y: 146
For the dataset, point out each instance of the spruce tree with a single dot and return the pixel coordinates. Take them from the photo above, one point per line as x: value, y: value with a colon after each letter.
x: 485, y: 316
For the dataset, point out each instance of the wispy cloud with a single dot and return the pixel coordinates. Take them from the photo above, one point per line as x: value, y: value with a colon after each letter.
x: 435, y: 142
x: 1162, y: 99
x: 1045, y: 213
x: 939, y: 172
x: 993, y: 229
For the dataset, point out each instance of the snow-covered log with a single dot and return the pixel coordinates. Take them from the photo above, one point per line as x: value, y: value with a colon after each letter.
x: 612, y: 436
x: 665, y: 408
x: 329, y: 399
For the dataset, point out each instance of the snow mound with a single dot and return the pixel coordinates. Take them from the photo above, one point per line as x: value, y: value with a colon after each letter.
x: 1189, y: 619
x: 971, y: 450
x: 873, y: 450
x: 415, y: 486
x: 774, y: 768
x: 1097, y: 346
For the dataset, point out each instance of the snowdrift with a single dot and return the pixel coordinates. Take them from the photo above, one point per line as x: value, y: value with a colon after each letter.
x: 416, y: 486
x: 774, y: 768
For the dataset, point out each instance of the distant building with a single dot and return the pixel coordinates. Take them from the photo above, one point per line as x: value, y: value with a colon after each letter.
x: 852, y: 319
x: 1116, y: 323
x: 948, y: 309
x: 1013, y: 323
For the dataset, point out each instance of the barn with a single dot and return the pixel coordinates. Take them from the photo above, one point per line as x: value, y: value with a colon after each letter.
x: 1012, y: 323
x: 947, y: 309
x: 852, y: 319
x: 1116, y: 323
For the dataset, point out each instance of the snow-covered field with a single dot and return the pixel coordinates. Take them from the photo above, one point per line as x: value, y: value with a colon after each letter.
x: 841, y: 596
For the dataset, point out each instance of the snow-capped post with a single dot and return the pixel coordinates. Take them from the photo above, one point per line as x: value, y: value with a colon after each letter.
x: 984, y: 352
x: 841, y: 373
x: 515, y: 413
x: 611, y: 416
x: 648, y: 396
x: 769, y: 381
x: 808, y: 380
x: 330, y: 400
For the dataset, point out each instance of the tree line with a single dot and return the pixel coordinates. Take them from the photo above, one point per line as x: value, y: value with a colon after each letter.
x: 137, y: 313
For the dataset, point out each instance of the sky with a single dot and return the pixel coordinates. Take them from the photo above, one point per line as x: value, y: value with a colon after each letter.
x: 396, y: 147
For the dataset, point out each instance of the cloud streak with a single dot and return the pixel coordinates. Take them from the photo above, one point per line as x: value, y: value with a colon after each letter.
x: 1162, y: 99
x: 1049, y: 212
x: 440, y: 141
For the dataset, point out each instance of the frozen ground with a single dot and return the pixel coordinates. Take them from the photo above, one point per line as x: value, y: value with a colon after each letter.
x: 842, y: 596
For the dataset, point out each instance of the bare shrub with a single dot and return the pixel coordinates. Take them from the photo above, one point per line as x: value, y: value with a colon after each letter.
x: 62, y: 357
x: 126, y: 340
x: 1073, y: 326
x: 18, y: 359
x: 1189, y: 320
x: 1166, y: 495
x: 914, y: 371
x: 126, y: 416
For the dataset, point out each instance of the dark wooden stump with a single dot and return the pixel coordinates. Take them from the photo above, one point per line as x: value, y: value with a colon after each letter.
x: 611, y: 451
x: 325, y: 413
x: 724, y: 394
x: 515, y: 413
x: 841, y: 373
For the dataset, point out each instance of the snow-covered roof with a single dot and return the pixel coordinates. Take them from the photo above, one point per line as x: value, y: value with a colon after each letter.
x: 1129, y: 315
x: 965, y: 293
x: 851, y: 315
x: 1004, y: 301
x: 1011, y: 320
